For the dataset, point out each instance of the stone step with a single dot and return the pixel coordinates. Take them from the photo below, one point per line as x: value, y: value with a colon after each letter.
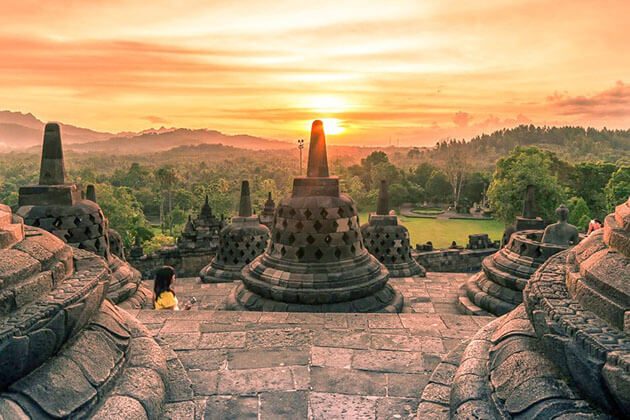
x: 485, y: 301
x: 500, y: 292
x: 512, y: 263
x: 501, y: 277
x: 467, y: 307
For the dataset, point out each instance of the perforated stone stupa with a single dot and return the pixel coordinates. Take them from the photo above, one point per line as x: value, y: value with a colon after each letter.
x: 266, y: 216
x: 57, y: 207
x: 316, y: 261
x: 498, y: 287
x: 563, y: 353
x: 65, y: 351
x: 239, y: 243
x: 202, y: 233
x: 528, y: 220
x: 388, y: 241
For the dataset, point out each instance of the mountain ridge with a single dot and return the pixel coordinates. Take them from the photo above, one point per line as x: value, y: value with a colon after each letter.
x: 23, y: 131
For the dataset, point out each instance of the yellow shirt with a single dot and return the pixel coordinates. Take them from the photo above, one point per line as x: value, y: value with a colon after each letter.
x: 166, y: 300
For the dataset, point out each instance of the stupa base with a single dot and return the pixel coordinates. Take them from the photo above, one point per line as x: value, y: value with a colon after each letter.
x: 406, y: 269
x: 386, y: 300
x: 220, y: 274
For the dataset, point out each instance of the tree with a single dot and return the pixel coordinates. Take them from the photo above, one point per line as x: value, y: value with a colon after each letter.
x: 579, y: 213
x: 122, y: 210
x: 588, y: 180
x: 438, y: 188
x: 422, y: 173
x: 618, y: 188
x: 523, y: 167
x: 167, y: 177
x: 456, y: 170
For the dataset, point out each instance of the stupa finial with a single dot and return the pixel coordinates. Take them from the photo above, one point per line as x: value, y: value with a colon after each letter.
x: 245, y: 206
x: 52, y: 170
x: 382, y: 206
x: 90, y: 193
x: 529, y: 204
x: 317, y: 157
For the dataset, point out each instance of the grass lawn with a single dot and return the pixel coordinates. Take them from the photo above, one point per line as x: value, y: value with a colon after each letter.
x: 443, y: 231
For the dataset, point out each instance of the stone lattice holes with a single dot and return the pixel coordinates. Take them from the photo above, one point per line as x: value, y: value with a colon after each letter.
x: 65, y: 350
x: 564, y: 352
x: 497, y: 289
x: 316, y: 261
x: 57, y: 207
x: 239, y: 244
x: 388, y: 241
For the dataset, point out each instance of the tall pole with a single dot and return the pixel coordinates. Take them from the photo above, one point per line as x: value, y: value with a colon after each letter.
x: 301, y: 147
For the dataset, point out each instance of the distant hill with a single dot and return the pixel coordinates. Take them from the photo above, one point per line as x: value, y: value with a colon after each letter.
x: 153, y: 142
x: 21, y: 131
x: 573, y: 144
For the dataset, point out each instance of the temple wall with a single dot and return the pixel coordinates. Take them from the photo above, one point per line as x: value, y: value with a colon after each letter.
x: 187, y: 264
x: 453, y: 260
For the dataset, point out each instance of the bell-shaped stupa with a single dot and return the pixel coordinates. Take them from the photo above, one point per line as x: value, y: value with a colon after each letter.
x: 56, y: 206
x: 388, y: 241
x: 316, y: 261
x: 239, y: 243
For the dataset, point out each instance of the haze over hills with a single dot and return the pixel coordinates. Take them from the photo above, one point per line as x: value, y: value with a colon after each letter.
x: 20, y: 131
x: 166, y: 140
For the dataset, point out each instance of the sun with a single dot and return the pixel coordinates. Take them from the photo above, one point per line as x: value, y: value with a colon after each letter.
x: 333, y: 126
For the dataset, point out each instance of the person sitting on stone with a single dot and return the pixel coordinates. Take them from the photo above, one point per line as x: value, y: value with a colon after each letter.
x: 561, y: 232
x: 594, y: 225
x: 164, y: 290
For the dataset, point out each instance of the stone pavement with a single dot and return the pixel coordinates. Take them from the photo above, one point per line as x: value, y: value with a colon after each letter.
x: 435, y: 293
x: 302, y: 365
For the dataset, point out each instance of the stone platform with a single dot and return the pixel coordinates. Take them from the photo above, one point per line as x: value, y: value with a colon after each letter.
x: 276, y: 365
x: 435, y: 293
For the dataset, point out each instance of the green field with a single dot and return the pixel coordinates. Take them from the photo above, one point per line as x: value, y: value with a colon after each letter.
x: 443, y: 231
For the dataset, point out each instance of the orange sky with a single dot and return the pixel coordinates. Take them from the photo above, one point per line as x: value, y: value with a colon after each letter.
x: 410, y: 71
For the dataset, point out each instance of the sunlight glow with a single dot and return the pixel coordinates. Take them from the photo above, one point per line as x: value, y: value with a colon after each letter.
x: 333, y: 126
x: 326, y: 103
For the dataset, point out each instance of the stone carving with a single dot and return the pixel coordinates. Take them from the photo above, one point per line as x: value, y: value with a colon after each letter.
x: 66, y: 352
x: 497, y: 288
x: 561, y: 232
x: 529, y: 220
x: 202, y: 233
x: 56, y: 206
x: 565, y: 352
x: 266, y: 216
x: 388, y: 241
x: 239, y: 243
x: 316, y: 260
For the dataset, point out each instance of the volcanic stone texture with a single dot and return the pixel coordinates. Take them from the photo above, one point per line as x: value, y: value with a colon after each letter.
x: 65, y: 351
x: 389, y: 243
x: 497, y: 289
x: 565, y: 352
x: 239, y: 244
x: 316, y: 261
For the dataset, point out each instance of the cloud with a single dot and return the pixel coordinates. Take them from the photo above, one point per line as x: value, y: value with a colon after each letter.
x: 155, y: 120
x: 461, y: 119
x: 614, y: 101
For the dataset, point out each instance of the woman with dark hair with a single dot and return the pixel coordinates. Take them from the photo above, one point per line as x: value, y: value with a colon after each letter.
x: 164, y: 290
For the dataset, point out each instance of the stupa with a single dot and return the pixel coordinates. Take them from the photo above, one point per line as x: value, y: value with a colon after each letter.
x: 266, y: 216
x: 563, y: 353
x: 239, y: 243
x: 66, y: 351
x: 528, y: 220
x: 498, y: 287
x: 316, y: 261
x: 388, y: 241
x: 57, y: 207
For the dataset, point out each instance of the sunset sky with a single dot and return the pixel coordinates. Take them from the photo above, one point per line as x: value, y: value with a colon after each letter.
x: 403, y: 71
